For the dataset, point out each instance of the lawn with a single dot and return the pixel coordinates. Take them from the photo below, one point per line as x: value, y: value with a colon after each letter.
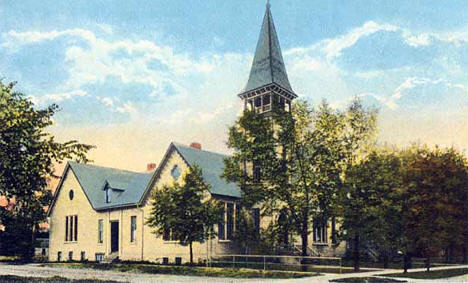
x: 366, y: 280
x: 436, y: 274
x: 189, y: 270
x: 55, y: 279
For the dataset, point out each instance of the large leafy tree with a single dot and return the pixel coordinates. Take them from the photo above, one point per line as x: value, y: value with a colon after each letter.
x: 293, y: 161
x: 368, y: 210
x: 27, y: 157
x: 435, y: 197
x: 184, y: 210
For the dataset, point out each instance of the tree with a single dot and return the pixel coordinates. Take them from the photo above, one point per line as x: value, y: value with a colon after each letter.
x: 27, y: 157
x: 183, y: 210
x: 293, y: 161
x: 367, y: 211
x: 435, y: 191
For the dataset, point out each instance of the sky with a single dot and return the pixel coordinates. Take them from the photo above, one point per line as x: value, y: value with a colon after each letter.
x: 132, y: 76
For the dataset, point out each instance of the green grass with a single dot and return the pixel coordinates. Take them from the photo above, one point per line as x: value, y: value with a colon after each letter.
x: 435, y: 274
x: 55, y: 279
x: 366, y: 280
x: 283, y: 267
x: 189, y: 270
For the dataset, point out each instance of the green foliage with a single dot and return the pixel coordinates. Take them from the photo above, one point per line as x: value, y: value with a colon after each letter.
x: 190, y: 270
x: 27, y: 156
x: 435, y: 200
x: 301, y: 154
x: 368, y: 210
x: 436, y: 274
x: 185, y: 210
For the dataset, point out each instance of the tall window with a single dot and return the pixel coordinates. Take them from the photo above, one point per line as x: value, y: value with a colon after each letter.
x: 320, y: 231
x: 100, y: 231
x: 168, y: 236
x: 226, y: 226
x: 132, y: 228
x: 71, y: 228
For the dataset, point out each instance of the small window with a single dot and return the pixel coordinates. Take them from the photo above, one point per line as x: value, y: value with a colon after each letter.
x: 108, y: 195
x: 83, y: 256
x: 320, y: 231
x: 70, y: 256
x: 59, y: 256
x: 132, y: 228
x: 165, y: 260
x: 266, y: 99
x: 71, y: 194
x: 175, y: 172
x: 99, y: 257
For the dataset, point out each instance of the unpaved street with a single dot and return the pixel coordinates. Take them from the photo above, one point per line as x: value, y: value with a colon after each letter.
x: 36, y: 270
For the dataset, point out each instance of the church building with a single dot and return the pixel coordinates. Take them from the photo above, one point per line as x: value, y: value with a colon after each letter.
x: 99, y: 213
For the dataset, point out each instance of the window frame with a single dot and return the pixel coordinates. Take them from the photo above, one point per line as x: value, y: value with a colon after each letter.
x: 133, y: 228
x: 227, y: 227
x: 100, y: 231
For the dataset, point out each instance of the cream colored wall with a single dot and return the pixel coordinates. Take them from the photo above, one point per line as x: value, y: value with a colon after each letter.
x: 155, y: 248
x: 88, y: 226
x: 87, y: 223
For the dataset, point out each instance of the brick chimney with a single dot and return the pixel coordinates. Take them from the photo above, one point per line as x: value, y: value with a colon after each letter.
x: 150, y: 166
x: 195, y: 145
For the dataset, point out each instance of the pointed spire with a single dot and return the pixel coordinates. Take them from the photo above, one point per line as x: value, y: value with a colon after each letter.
x: 268, y: 66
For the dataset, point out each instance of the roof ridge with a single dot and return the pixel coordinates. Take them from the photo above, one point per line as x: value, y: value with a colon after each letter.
x: 105, y: 167
x: 189, y: 147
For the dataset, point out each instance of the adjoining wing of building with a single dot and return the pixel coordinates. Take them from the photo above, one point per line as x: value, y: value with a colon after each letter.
x: 99, y: 213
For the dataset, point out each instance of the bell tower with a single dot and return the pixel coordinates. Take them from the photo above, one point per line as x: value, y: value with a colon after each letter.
x: 268, y: 84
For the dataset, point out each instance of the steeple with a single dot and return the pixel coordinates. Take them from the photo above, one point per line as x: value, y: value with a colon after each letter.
x: 268, y: 73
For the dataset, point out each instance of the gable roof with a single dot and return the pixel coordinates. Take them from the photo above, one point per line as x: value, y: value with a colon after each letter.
x: 131, y: 187
x: 268, y: 66
x: 212, y: 165
x: 93, y: 180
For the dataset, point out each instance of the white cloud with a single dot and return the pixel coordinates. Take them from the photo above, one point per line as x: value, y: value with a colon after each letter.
x: 14, y: 39
x: 333, y: 47
x: 57, y: 97
x: 127, y: 107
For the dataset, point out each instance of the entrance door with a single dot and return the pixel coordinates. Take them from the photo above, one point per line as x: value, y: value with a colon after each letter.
x: 114, y: 236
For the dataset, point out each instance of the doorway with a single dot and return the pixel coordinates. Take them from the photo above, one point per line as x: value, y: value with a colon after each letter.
x: 114, y: 236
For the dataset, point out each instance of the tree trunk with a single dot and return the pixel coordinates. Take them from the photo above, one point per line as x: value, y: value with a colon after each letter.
x: 191, y: 253
x: 304, y: 238
x: 465, y: 255
x: 385, y: 259
x: 405, y: 263
x: 428, y: 264
x: 356, y: 253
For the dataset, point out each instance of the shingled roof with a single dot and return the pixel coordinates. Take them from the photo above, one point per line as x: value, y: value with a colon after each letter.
x: 212, y: 165
x: 268, y: 66
x: 129, y: 188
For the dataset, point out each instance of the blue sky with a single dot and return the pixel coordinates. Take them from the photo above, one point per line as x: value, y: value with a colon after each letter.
x: 131, y: 76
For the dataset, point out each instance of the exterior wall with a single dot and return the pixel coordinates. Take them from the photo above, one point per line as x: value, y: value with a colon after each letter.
x: 147, y: 246
x: 155, y: 248
x: 87, y: 223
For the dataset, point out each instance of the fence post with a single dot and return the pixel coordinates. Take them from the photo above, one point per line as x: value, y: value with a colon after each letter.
x: 264, y: 263
x: 341, y: 264
x: 233, y: 261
